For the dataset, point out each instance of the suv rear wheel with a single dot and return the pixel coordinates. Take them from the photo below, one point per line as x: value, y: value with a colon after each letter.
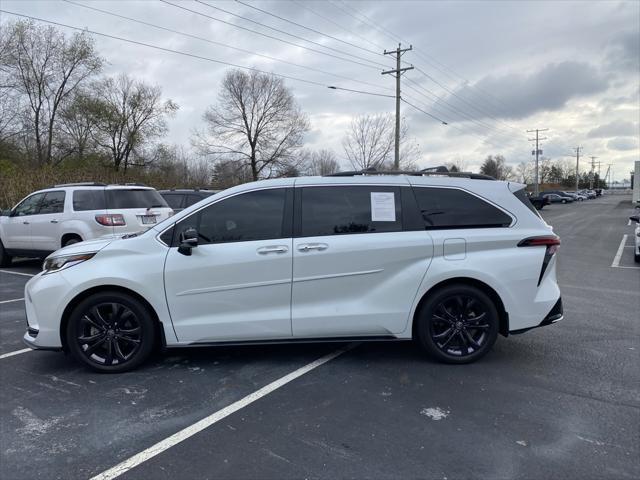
x: 457, y: 324
x: 5, y: 258
x: 110, y: 332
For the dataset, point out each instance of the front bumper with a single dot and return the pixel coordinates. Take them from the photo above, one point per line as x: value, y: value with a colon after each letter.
x: 555, y: 315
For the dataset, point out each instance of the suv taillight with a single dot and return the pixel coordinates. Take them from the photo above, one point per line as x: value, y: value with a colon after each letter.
x: 551, y: 242
x: 111, y: 220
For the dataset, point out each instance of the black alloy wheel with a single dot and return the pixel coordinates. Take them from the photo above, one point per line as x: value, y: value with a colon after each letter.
x: 110, y: 332
x: 459, y: 324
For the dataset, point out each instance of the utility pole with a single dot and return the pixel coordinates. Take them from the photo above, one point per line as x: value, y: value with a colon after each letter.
x: 398, y: 52
x: 593, y: 171
x: 536, y: 187
x: 577, y: 149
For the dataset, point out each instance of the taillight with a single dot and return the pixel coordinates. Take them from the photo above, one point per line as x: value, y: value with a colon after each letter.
x: 111, y: 220
x: 552, y: 244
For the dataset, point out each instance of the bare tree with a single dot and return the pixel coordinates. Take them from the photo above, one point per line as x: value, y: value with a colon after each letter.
x: 321, y: 162
x: 77, y: 126
x: 255, y: 123
x: 127, y: 114
x: 44, y: 67
x: 496, y: 167
x: 369, y: 143
x: 227, y: 173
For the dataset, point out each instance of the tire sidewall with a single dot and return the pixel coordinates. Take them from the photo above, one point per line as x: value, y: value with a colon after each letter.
x: 146, y: 323
x: 71, y: 241
x: 426, y: 312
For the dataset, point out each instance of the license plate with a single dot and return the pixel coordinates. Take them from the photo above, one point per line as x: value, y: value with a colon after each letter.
x: 147, y: 219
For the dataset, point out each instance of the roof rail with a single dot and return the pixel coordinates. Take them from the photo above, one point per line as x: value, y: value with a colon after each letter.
x: 127, y: 185
x: 80, y: 184
x: 421, y: 173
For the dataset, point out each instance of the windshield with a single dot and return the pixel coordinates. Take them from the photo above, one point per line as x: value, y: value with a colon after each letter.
x: 134, y: 198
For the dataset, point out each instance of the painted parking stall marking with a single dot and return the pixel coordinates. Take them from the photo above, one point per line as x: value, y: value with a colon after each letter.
x: 13, y: 300
x: 18, y: 273
x: 206, y: 422
x: 13, y: 354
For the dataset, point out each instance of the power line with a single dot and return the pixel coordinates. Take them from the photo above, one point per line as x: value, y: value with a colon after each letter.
x: 305, y: 27
x: 187, y: 54
x: 213, y: 42
x: 341, y: 27
x: 423, y: 111
x: 371, y: 64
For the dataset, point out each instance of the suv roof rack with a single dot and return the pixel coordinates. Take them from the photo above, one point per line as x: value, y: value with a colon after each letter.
x: 433, y: 171
x: 131, y: 184
x: 80, y: 184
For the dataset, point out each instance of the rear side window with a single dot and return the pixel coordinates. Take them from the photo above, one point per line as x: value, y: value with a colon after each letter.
x: 349, y: 210
x: 84, y: 200
x: 522, y: 196
x: 53, y: 202
x: 174, y: 200
x: 444, y: 208
x: 192, y: 199
x: 133, y: 198
x: 246, y: 217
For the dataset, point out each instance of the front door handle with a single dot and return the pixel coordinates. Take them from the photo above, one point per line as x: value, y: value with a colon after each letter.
x: 54, y: 221
x: 273, y: 249
x: 307, y: 247
x: 25, y: 223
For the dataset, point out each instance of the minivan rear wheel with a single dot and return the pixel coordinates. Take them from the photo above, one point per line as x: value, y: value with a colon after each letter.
x: 110, y: 332
x: 457, y: 324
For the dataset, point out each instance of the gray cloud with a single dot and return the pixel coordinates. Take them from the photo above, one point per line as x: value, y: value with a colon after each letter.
x: 623, y: 143
x: 614, y: 128
x: 548, y: 89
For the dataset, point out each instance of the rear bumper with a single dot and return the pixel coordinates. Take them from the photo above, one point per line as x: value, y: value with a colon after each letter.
x: 555, y: 315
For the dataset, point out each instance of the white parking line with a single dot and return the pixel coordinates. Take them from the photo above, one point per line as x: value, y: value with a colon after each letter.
x: 191, y: 430
x: 18, y: 273
x: 616, y: 259
x: 14, y: 300
x: 17, y: 352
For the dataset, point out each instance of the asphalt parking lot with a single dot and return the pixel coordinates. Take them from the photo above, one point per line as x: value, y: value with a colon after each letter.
x: 558, y: 402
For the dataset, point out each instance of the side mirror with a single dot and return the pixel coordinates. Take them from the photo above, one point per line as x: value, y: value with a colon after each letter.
x: 635, y: 218
x: 188, y: 241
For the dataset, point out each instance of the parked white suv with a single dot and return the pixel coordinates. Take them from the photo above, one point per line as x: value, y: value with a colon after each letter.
x: 447, y: 261
x: 59, y: 216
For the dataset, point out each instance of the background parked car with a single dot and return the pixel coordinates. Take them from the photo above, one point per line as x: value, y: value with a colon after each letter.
x: 539, y: 201
x: 576, y: 196
x: 55, y: 217
x: 181, y: 198
x: 555, y: 198
x: 636, y: 248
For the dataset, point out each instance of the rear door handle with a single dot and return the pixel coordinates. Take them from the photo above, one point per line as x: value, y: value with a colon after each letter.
x: 273, y: 249
x: 307, y: 247
x: 54, y: 221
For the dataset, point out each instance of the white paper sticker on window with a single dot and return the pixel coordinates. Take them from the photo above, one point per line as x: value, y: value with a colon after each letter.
x: 383, y: 207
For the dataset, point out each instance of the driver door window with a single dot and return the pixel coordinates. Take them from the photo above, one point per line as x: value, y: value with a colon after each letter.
x: 29, y: 206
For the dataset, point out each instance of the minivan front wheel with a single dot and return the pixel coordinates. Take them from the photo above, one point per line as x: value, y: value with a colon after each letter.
x: 110, y: 332
x: 458, y: 324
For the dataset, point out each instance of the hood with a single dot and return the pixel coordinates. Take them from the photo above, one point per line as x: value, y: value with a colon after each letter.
x: 84, y: 247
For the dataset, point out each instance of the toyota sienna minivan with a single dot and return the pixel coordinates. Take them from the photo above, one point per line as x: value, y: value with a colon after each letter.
x: 448, y: 261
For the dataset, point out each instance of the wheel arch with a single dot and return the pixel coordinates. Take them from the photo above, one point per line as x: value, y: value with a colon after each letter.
x: 68, y: 236
x: 503, y: 316
x: 160, y: 340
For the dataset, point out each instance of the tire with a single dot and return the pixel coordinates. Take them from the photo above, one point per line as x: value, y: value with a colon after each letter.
x: 5, y: 258
x: 445, y: 324
x: 636, y: 257
x: 71, y: 241
x: 95, y: 335
x: 564, y: 201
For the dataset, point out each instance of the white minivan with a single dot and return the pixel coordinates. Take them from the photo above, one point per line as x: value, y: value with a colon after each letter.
x: 56, y: 217
x: 448, y: 260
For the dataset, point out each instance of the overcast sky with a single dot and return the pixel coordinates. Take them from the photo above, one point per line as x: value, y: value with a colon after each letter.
x: 490, y: 69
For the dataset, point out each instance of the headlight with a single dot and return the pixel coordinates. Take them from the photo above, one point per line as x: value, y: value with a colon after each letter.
x: 55, y: 264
